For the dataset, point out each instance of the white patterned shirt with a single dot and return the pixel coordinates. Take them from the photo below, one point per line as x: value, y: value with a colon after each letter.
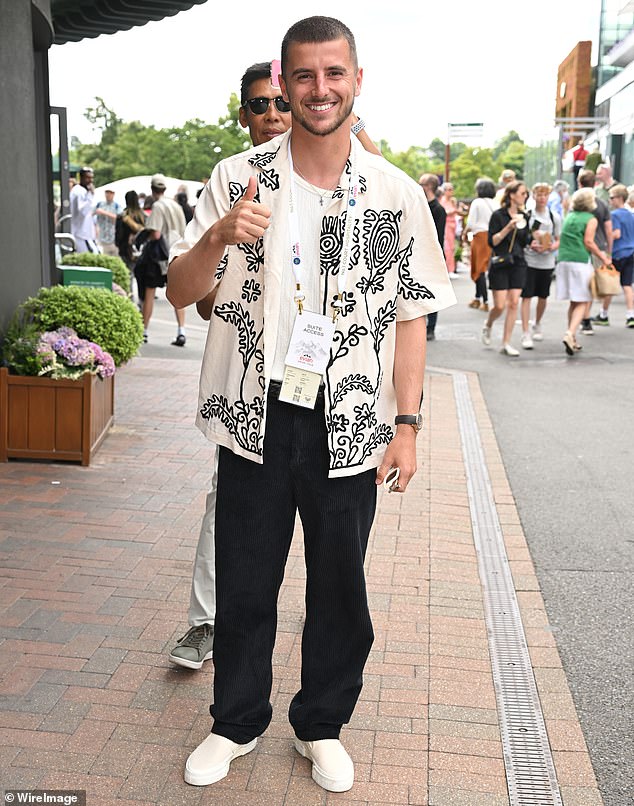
x: 397, y: 272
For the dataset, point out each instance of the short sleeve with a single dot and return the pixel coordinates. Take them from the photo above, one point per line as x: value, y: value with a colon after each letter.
x: 212, y: 205
x: 423, y: 283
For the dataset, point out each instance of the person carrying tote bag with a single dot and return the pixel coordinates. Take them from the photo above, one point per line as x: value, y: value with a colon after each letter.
x: 574, y: 270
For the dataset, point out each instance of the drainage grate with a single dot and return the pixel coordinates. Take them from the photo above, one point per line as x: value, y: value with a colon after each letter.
x: 530, y: 771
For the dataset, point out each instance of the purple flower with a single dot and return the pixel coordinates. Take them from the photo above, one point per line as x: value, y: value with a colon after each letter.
x: 65, y: 355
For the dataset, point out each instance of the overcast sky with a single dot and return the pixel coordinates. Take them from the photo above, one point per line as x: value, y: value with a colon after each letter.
x: 425, y: 65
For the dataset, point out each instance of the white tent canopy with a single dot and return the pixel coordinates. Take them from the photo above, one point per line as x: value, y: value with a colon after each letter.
x: 142, y: 185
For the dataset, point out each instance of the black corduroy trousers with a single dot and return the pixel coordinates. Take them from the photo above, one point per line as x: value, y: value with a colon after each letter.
x: 255, y: 515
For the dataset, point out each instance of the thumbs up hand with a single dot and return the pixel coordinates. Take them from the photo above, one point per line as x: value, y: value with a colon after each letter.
x: 246, y: 222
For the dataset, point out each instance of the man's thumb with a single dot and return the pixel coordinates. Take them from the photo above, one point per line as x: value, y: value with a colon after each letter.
x: 252, y: 189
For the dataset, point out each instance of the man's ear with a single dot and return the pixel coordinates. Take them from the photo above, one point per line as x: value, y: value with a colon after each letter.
x: 242, y: 117
x: 359, y: 81
x: 283, y: 88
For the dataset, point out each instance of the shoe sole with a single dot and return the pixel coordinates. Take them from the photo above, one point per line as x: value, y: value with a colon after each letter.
x: 220, y: 772
x: 569, y: 349
x: 601, y: 324
x: 320, y: 777
x: 526, y: 347
x: 191, y: 664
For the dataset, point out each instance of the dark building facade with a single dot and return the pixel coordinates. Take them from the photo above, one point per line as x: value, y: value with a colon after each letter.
x: 27, y: 31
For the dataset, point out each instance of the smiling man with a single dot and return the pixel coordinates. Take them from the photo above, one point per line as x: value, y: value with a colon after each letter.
x: 324, y: 261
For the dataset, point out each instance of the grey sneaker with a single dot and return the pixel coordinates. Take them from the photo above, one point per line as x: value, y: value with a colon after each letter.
x: 195, y: 647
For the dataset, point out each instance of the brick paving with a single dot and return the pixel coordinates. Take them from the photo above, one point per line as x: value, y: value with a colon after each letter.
x: 94, y: 587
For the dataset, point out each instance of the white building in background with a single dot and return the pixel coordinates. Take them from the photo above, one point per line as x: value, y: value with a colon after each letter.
x: 614, y: 98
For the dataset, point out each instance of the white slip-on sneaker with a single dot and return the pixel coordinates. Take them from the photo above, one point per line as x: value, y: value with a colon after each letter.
x: 508, y: 349
x: 537, y: 333
x: 486, y: 336
x: 527, y: 342
x: 332, y: 766
x: 211, y: 760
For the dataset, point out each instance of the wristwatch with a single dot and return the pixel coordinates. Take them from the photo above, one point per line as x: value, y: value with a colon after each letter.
x: 358, y: 126
x: 415, y: 420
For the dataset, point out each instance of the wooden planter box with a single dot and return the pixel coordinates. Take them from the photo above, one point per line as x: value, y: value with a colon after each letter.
x: 63, y: 420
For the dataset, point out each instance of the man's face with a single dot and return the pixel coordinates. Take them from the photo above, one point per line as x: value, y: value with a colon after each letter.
x: 109, y: 196
x: 604, y: 175
x: 263, y: 128
x: 321, y: 83
x: 86, y: 179
x: 541, y: 197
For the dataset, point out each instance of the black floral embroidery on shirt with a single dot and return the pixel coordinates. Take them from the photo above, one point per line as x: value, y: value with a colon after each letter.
x: 339, y: 193
x: 220, y: 268
x: 269, y: 177
x: 379, y: 249
x: 237, y: 191
x: 382, y: 320
x: 408, y: 287
x: 243, y: 417
x: 331, y: 244
x: 260, y: 160
x: 381, y: 239
x: 351, y: 382
x: 251, y: 290
x: 253, y: 254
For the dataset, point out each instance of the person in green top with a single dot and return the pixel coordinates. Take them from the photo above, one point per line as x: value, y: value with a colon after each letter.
x: 593, y: 160
x: 574, y: 270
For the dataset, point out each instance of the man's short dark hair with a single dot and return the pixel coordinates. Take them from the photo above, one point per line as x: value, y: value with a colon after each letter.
x: 586, y: 178
x: 318, y: 29
x: 253, y: 73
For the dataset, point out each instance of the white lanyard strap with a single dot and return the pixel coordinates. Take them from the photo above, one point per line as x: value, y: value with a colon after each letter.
x: 346, y: 247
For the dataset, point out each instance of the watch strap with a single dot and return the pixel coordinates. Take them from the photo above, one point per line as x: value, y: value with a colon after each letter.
x: 358, y: 126
x: 415, y: 420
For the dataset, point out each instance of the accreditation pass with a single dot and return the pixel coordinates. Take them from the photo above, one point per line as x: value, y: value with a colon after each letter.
x: 307, y: 358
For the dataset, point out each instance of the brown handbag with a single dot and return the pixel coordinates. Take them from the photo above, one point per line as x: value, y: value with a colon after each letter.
x: 605, y: 282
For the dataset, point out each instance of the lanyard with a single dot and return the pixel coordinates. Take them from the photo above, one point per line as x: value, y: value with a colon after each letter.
x: 293, y: 228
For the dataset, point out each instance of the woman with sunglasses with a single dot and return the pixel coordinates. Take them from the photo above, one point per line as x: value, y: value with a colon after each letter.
x: 508, y: 235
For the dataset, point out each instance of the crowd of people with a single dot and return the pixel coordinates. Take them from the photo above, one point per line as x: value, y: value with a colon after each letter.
x: 312, y: 385
x: 520, y: 239
x: 141, y: 234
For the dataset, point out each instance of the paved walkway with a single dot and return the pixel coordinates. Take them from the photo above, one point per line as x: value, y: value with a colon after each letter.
x: 94, y: 591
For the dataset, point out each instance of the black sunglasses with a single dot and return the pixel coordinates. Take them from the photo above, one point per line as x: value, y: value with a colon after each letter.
x: 260, y: 105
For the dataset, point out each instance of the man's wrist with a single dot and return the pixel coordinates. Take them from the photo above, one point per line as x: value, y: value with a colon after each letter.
x: 358, y: 126
x: 413, y: 421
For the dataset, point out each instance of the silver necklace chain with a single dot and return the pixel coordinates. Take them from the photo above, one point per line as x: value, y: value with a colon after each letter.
x: 323, y: 195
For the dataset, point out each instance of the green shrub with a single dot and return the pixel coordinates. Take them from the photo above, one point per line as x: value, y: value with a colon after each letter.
x: 96, y: 314
x: 19, y: 346
x: 120, y: 272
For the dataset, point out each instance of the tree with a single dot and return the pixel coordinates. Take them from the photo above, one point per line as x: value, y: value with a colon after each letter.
x: 514, y: 157
x: 436, y: 149
x: 472, y: 164
x: 503, y: 144
x: 413, y: 162
x: 187, y: 152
